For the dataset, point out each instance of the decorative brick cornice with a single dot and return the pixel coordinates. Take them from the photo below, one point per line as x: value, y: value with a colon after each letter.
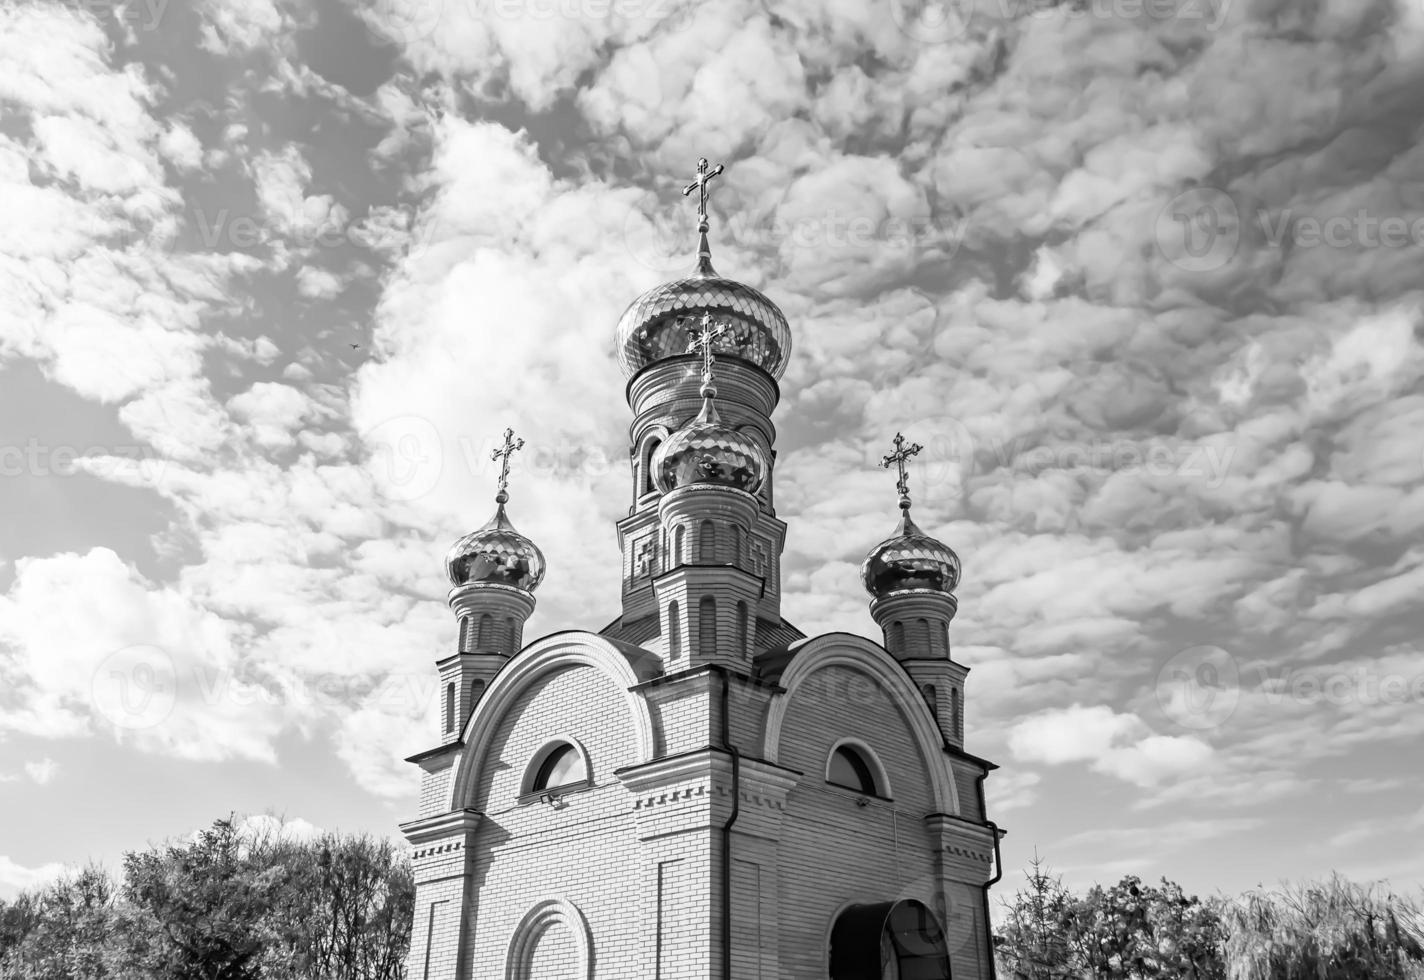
x: 442, y: 832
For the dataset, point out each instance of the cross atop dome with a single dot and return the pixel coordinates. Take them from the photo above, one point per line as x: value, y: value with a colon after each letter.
x: 505, y: 453
x: 702, y: 344
x: 704, y: 250
x: 898, y: 459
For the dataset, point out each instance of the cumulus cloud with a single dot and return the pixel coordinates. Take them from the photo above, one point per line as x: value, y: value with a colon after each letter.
x: 1118, y: 744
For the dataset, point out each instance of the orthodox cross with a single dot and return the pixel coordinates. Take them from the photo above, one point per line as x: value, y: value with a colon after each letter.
x: 700, y: 185
x: 898, y: 458
x: 511, y: 445
x: 702, y: 343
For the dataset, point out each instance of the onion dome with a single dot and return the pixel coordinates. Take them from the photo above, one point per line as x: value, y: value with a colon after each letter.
x: 708, y: 451
x: 910, y: 559
x: 496, y: 554
x: 660, y: 323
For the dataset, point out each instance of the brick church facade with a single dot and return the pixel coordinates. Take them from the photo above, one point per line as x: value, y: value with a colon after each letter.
x: 699, y: 790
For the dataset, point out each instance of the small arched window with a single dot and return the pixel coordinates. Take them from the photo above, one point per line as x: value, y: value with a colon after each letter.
x: 743, y: 624
x: 645, y: 476
x: 477, y: 688
x: 932, y: 700
x: 707, y: 542
x: 674, y: 630
x: 707, y: 625
x: 851, y: 766
x: 557, y: 765
x: 897, y: 636
x: 679, y: 540
x: 486, y: 634
x: 449, y: 708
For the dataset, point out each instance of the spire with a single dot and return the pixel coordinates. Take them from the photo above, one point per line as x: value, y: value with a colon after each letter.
x: 704, y: 250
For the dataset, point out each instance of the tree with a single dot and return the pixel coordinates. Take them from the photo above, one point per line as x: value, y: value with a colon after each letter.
x: 66, y: 931
x: 1033, y: 944
x: 196, y: 911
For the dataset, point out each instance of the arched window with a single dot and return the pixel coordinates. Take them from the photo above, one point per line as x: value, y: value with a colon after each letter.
x: 679, y: 540
x: 932, y: 700
x: 852, y: 765
x: 922, y: 634
x: 449, y: 708
x: 477, y: 688
x: 674, y: 630
x: 509, y: 634
x: 738, y: 539
x: 645, y: 467
x: 897, y: 636
x: 956, y: 702
x: 559, y: 764
x: 707, y: 625
x: 486, y: 634
x: 707, y: 542
x: 743, y: 626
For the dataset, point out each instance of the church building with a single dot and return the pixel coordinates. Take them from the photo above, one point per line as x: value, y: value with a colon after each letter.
x: 699, y: 791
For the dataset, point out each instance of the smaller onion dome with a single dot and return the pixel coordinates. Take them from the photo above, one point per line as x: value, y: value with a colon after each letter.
x: 708, y: 451
x: 910, y: 559
x: 496, y: 554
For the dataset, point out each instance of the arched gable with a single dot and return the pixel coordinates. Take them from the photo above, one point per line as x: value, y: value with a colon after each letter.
x: 552, y: 653
x: 858, y: 653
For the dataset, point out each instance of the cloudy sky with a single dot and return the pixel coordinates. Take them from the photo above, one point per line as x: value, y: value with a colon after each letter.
x: 1141, y: 276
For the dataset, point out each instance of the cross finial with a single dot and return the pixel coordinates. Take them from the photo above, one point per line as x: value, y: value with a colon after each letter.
x: 700, y: 185
x: 510, y: 447
x: 898, y: 458
x: 702, y: 344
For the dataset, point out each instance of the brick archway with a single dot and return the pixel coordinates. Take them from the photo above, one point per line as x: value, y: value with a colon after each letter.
x: 906, y: 930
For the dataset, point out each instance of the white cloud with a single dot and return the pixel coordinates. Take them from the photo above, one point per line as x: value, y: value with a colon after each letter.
x: 1118, y: 744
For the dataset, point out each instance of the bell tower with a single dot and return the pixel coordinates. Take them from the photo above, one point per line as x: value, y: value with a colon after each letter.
x: 701, y: 543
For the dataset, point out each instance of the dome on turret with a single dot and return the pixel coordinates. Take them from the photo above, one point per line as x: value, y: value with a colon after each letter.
x: 709, y: 452
x: 909, y: 559
x: 496, y: 554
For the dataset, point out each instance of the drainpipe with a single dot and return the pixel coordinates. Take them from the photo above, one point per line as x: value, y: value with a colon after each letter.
x: 998, y: 873
x: 731, y: 750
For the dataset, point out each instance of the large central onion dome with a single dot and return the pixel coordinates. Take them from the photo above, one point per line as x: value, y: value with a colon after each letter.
x: 908, y: 560
x: 709, y: 452
x: 496, y: 554
x: 660, y: 323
